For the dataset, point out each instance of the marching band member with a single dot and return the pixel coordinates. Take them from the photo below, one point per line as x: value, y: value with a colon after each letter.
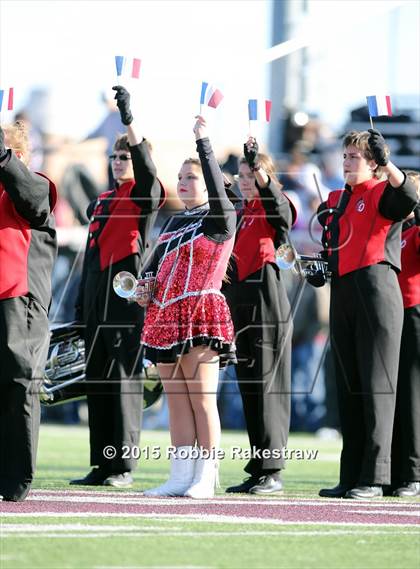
x: 120, y: 220
x: 188, y: 330
x: 262, y: 318
x: 28, y: 248
x: 405, y: 456
x: 362, y: 231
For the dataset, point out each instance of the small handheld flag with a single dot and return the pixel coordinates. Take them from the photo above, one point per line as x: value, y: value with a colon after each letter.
x: 127, y: 66
x: 379, y: 105
x: 9, y: 99
x: 210, y: 96
x: 254, y: 114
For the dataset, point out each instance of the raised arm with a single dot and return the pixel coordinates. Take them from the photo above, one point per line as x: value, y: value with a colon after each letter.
x: 280, y: 212
x: 399, y: 197
x: 148, y: 189
x: 221, y: 223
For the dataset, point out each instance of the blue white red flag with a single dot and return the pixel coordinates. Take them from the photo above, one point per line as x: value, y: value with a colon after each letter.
x: 128, y: 66
x: 210, y: 95
x: 379, y: 105
x: 259, y: 109
x: 9, y: 99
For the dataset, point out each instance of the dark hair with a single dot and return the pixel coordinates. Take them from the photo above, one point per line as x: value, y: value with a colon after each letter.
x: 122, y: 143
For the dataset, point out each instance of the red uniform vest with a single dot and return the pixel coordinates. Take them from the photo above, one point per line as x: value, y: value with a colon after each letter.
x: 254, y: 245
x: 409, y: 278
x: 119, y: 236
x: 362, y: 230
x: 16, y: 235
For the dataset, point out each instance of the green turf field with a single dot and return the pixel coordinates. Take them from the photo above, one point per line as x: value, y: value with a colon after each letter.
x: 129, y: 542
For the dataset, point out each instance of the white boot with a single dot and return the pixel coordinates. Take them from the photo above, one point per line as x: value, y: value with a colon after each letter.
x: 205, y: 479
x: 181, y: 476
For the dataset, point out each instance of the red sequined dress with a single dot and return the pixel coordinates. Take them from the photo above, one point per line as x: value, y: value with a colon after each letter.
x: 190, y: 260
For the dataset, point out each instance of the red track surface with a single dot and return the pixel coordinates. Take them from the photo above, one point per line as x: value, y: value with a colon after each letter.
x: 287, y: 510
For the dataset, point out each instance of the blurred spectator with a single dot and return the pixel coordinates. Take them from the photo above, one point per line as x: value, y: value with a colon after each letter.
x: 331, y: 168
x: 310, y: 321
x: 229, y: 400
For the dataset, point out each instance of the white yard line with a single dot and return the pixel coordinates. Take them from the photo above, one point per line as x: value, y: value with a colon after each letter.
x: 199, y: 534
x: 390, y: 513
x: 153, y: 567
x: 138, y: 498
x: 41, y: 528
x: 182, y: 518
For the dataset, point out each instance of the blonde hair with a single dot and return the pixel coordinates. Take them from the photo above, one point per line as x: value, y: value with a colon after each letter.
x: 266, y: 163
x: 414, y: 177
x: 193, y: 162
x: 360, y: 139
x: 17, y: 138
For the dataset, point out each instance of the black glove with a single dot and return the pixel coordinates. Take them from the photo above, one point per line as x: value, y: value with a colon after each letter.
x: 122, y: 97
x: 251, y: 155
x: 417, y: 214
x: 317, y: 279
x: 377, y: 145
x: 3, y: 151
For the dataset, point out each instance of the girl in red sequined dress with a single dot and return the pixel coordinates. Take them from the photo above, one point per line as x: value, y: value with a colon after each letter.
x: 188, y: 329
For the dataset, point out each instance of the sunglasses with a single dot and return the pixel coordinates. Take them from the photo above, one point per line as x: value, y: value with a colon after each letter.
x: 122, y: 157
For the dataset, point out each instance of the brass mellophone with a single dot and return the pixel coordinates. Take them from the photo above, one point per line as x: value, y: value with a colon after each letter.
x: 127, y: 286
x: 65, y: 370
x: 305, y: 265
x: 64, y: 375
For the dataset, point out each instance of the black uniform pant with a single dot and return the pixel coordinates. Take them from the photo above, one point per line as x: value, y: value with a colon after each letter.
x: 366, y: 316
x: 263, y: 328
x: 113, y: 364
x: 24, y: 341
x: 405, y: 463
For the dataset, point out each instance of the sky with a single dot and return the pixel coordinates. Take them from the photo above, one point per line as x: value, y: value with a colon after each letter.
x: 68, y: 47
x: 181, y: 43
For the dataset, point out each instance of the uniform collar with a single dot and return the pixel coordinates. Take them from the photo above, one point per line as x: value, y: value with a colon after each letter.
x: 124, y: 184
x: 366, y: 185
x: 253, y: 204
x: 197, y: 209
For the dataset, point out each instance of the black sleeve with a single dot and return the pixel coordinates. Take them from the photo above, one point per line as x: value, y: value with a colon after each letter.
x: 220, y: 224
x: 78, y: 305
x: 29, y: 192
x: 278, y: 210
x: 148, y: 192
x: 397, y: 203
x: 150, y: 262
x: 90, y: 209
x: 322, y: 214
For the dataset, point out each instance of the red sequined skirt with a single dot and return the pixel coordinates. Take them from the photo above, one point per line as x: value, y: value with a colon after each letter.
x: 172, y: 331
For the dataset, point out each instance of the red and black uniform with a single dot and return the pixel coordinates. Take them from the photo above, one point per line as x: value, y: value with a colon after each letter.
x: 120, y: 221
x: 362, y: 231
x: 28, y: 248
x: 191, y: 257
x: 405, y: 464
x: 262, y: 319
